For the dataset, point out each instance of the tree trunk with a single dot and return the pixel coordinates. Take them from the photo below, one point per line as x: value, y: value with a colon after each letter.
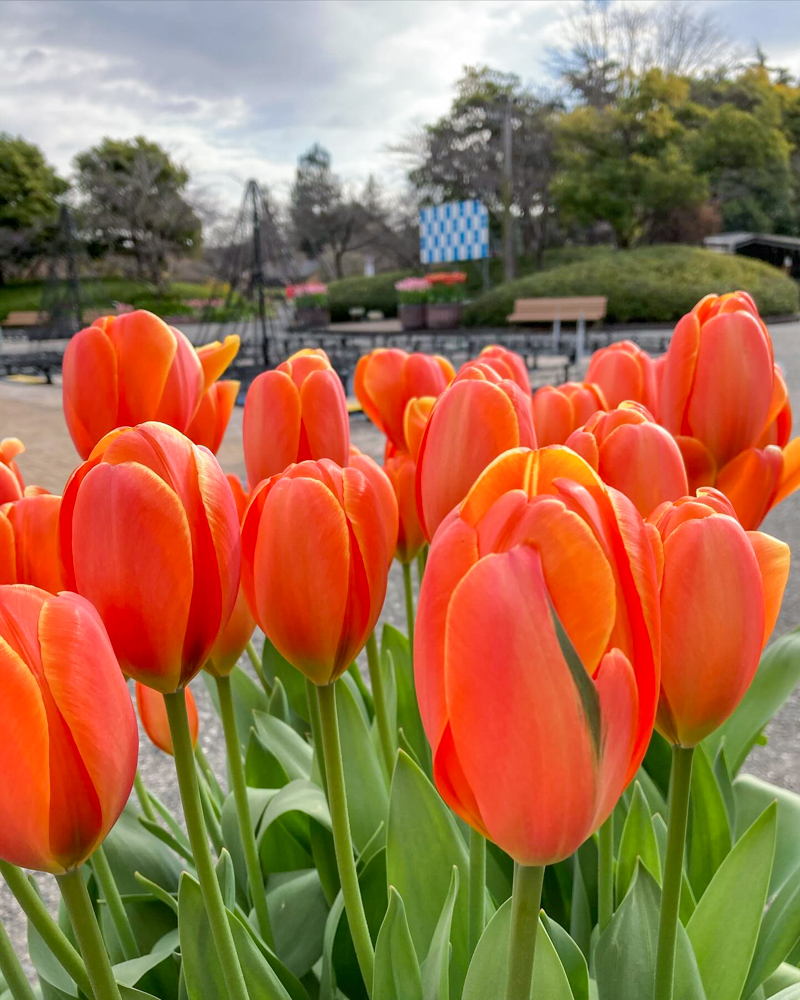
x: 338, y: 261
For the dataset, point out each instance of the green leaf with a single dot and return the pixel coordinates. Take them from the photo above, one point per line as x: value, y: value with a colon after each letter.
x: 129, y: 848
x: 292, y: 680
x: 709, y: 835
x: 723, y: 775
x: 724, y: 927
x: 284, y: 838
x: 792, y: 993
x: 47, y: 966
x: 638, y: 843
x: 580, y: 922
x: 257, y: 799
x: 777, y: 676
x: 158, y: 892
x: 584, y: 685
x: 298, y: 911
x: 423, y: 844
x: 367, y: 797
x: 226, y: 879
x: 248, y: 696
x: 752, y: 797
x: 294, y: 754
x: 340, y: 966
x: 436, y: 967
x: 655, y: 800
x: 262, y: 769
x: 397, y: 975
x: 780, y: 932
x: 658, y: 762
x: 132, y: 972
x: 167, y: 838
x: 571, y: 958
x: 396, y: 657
x: 784, y: 978
x: 687, y: 901
x: 488, y: 970
x: 278, y: 705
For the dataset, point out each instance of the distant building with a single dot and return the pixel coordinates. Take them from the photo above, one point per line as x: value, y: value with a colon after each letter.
x: 780, y: 251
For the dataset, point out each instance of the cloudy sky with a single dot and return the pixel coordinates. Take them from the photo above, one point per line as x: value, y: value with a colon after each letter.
x: 239, y: 88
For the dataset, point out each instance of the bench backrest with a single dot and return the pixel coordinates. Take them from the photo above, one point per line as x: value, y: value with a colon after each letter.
x: 22, y: 319
x: 588, y: 307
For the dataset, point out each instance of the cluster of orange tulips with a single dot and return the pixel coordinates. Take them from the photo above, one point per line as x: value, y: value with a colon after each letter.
x: 590, y: 568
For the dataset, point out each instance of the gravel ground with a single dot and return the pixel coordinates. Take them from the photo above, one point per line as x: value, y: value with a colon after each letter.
x: 32, y: 412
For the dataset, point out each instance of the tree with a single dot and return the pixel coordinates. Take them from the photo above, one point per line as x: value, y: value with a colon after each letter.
x: 134, y: 201
x: 29, y: 192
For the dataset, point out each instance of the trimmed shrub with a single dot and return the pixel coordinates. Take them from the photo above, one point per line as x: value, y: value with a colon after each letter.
x: 364, y: 293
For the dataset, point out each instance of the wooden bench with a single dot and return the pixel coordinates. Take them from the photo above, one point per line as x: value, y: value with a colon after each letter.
x: 18, y: 320
x: 577, y: 309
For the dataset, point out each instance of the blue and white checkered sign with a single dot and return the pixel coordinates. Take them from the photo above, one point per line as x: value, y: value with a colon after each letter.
x: 458, y: 230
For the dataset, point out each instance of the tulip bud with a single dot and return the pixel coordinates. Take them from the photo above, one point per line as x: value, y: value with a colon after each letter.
x: 476, y: 419
x: 315, y: 564
x: 387, y: 378
x: 29, y: 542
x: 536, y: 652
x: 153, y: 713
x: 507, y: 364
x: 69, y: 745
x: 297, y: 412
x: 149, y: 534
x: 561, y: 409
x: 211, y: 419
x: 721, y: 590
x: 624, y: 371
x: 633, y: 454
x: 11, y: 482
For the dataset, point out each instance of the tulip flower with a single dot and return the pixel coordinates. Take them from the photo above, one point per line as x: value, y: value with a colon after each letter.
x: 402, y: 471
x: 537, y: 652
x: 315, y: 564
x: 153, y: 714
x: 721, y: 590
x: 386, y: 495
x: 415, y: 420
x: 507, y: 364
x: 477, y: 418
x: 210, y: 422
x: 559, y: 410
x: 297, y: 412
x: 11, y: 482
x: 624, y: 371
x: 29, y: 542
x: 387, y: 378
x: 149, y: 534
x: 633, y: 454
x: 70, y: 742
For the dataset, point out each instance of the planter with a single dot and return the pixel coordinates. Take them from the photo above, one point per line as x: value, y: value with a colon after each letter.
x: 412, y: 315
x: 312, y: 316
x: 444, y: 315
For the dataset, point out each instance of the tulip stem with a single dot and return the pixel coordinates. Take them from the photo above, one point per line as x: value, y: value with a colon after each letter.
x: 87, y: 933
x: 422, y: 558
x: 116, y: 908
x: 208, y: 773
x: 680, y: 786
x: 11, y: 968
x: 212, y: 823
x: 195, y: 825
x: 255, y: 660
x: 342, y: 840
x: 605, y: 874
x: 255, y: 879
x: 525, y: 901
x: 316, y: 731
x: 409, y: 589
x: 48, y: 930
x: 477, y: 888
x: 144, y: 797
x: 381, y: 708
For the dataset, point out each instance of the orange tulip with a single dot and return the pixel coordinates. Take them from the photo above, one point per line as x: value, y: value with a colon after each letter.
x: 69, y: 746
x: 297, y: 412
x: 29, y: 542
x: 507, y: 364
x: 11, y: 482
x: 149, y: 534
x: 415, y: 420
x: 153, y: 713
x: 721, y: 591
x: 633, y: 454
x: 561, y: 409
x: 387, y: 378
x: 536, y: 652
x: 402, y: 471
x: 389, y: 513
x: 210, y: 422
x: 477, y: 418
x: 315, y: 564
x: 624, y: 371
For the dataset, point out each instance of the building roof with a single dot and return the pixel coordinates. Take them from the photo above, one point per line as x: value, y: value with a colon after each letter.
x: 731, y: 242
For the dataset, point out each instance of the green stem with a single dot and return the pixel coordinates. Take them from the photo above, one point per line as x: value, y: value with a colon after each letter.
x: 144, y: 797
x: 116, y: 908
x: 477, y: 888
x: 87, y: 934
x: 210, y: 815
x: 255, y: 661
x: 605, y: 874
x: 422, y: 559
x: 208, y: 773
x: 196, y: 828
x: 11, y: 967
x: 255, y: 879
x: 409, y: 603
x: 381, y: 708
x: 342, y: 841
x: 316, y: 731
x: 680, y: 787
x: 525, y: 901
x: 48, y: 930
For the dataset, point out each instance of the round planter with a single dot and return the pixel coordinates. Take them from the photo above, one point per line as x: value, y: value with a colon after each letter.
x: 315, y: 316
x: 443, y: 315
x: 412, y: 315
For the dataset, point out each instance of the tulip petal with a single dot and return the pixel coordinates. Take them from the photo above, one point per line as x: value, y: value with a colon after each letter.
x: 790, y: 477
x: 553, y: 416
x: 271, y: 426
x: 619, y: 713
x: 8, y: 554
x: 773, y: 558
x: 35, y: 523
x: 677, y: 374
x: 145, y: 348
x: 215, y: 357
x: 643, y: 462
x: 701, y: 469
x: 183, y: 387
x: 325, y: 419
x: 750, y: 481
x: 90, y: 391
x: 390, y: 518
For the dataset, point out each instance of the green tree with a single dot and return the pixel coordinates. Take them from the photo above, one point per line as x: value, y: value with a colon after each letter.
x: 135, y: 202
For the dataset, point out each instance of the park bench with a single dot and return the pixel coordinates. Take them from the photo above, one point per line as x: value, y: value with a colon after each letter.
x: 579, y: 309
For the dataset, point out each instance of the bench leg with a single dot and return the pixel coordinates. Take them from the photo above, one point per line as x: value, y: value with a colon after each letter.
x: 556, y: 335
x: 580, y: 338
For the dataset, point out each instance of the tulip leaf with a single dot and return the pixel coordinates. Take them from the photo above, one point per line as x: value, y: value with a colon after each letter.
x: 340, y: 966
x: 129, y: 848
x: 780, y: 932
x: 752, y: 797
x: 572, y: 958
x: 580, y: 921
x: 368, y: 798
x: 723, y: 775
x: 396, y: 657
x: 158, y: 892
x: 278, y: 705
x: 248, y: 696
x: 638, y: 843
x: 777, y: 676
x: 709, y: 833
x: 354, y: 679
x: 293, y: 682
x: 436, y: 967
x: 283, y: 836
x: 132, y: 972
x: 625, y: 955
x: 423, y: 843
x: 687, y: 901
x: 724, y: 946
x: 47, y: 966
x: 226, y: 879
x: 397, y: 975
x: 791, y: 993
x: 257, y: 799
x: 584, y: 684
x: 298, y: 911
x: 488, y: 970
x: 785, y: 977
x: 294, y: 754
x: 261, y: 767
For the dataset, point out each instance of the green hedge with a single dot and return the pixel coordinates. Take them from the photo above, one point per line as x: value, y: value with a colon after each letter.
x: 651, y: 284
x: 364, y: 293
